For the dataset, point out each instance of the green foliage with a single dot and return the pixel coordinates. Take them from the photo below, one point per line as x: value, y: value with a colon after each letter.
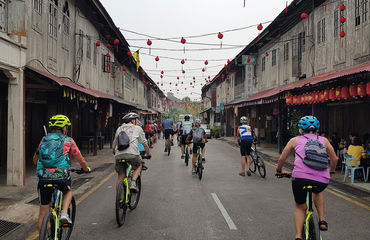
x: 217, y: 131
x: 295, y: 116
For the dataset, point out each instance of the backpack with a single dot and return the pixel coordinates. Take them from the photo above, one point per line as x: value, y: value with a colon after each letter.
x: 51, y: 150
x: 197, y: 135
x: 123, y: 141
x: 316, y: 156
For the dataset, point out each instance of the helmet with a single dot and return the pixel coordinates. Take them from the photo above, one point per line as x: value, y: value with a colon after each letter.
x: 244, y: 119
x: 197, y: 122
x: 129, y: 116
x: 309, y: 122
x: 166, y: 116
x: 187, y: 118
x: 59, y: 121
x: 149, y: 122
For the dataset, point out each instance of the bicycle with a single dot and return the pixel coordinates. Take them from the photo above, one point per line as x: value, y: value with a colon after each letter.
x: 51, y: 227
x: 187, y: 156
x: 169, y: 146
x: 150, y: 144
x: 311, y: 229
x: 199, y: 164
x: 257, y: 162
x: 124, y: 197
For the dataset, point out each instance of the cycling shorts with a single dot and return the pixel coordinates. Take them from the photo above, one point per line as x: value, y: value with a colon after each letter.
x: 168, y: 132
x: 198, y: 145
x: 183, y: 138
x: 45, y: 193
x: 148, y: 135
x: 299, y: 193
x: 245, y: 148
x: 134, y: 160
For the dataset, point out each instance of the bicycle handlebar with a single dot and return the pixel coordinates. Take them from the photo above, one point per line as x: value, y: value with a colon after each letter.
x: 146, y: 157
x: 283, y: 175
x: 79, y: 171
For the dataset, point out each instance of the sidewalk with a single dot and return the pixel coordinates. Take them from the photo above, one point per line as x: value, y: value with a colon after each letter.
x: 271, y: 153
x: 21, y: 205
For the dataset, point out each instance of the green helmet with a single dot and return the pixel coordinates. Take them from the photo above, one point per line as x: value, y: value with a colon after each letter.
x: 166, y: 116
x: 59, y: 121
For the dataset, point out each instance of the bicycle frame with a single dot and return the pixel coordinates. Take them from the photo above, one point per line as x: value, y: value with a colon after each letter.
x: 125, y: 180
x: 309, y: 210
x: 56, y: 208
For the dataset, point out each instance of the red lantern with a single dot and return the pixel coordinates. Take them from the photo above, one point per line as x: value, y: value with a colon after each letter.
x: 116, y: 41
x: 203, y: 70
x: 368, y: 88
x: 182, y: 82
x: 342, y: 34
x: 108, y: 71
x: 108, y: 63
x: 108, y: 55
x: 129, y: 53
x: 191, y: 83
x: 157, y: 82
x: 338, y: 93
x: 161, y: 76
x: 228, y: 61
x: 326, y: 95
x: 304, y: 98
x: 248, y: 59
x: 316, y: 97
x: 183, y: 40
x: 311, y: 97
x: 342, y: 7
x: 162, y: 72
x: 157, y: 59
x: 266, y: 54
x: 206, y: 62
x: 353, y: 90
x: 304, y: 15
x: 259, y: 27
x: 97, y: 44
x: 178, y: 78
x: 124, y: 69
x: 222, y: 76
x: 182, y: 61
x: 344, y: 92
x: 183, y: 71
x: 149, y: 42
x: 209, y: 77
x: 288, y: 100
x: 361, y: 89
x: 295, y: 100
x: 332, y: 94
x: 299, y: 99
x: 220, y: 35
x: 107, y: 36
x: 225, y: 66
x: 193, y: 78
x: 342, y: 19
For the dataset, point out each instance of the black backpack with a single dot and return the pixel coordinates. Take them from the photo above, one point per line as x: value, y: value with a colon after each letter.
x: 123, y: 141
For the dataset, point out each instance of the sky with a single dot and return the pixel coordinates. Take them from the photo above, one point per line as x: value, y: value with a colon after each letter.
x: 188, y: 18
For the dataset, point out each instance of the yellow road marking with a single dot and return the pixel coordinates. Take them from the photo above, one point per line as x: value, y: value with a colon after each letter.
x: 328, y: 190
x: 35, y: 234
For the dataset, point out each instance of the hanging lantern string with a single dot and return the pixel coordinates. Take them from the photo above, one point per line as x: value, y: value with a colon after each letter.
x: 193, y: 60
x: 191, y: 49
x: 177, y: 70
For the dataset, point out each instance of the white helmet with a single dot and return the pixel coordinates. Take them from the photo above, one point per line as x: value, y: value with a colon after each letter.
x: 244, y: 119
x: 128, y: 117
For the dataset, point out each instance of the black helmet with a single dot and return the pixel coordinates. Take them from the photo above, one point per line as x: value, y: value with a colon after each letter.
x: 129, y: 116
x: 187, y: 118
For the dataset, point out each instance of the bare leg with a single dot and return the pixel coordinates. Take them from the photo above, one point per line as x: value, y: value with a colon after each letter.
x: 44, y: 209
x: 318, y: 199
x: 136, y: 173
x: 119, y: 179
x: 203, y: 152
x: 243, y: 164
x: 193, y: 159
x: 182, y: 149
x: 248, y: 162
x: 299, y: 216
x: 67, y: 198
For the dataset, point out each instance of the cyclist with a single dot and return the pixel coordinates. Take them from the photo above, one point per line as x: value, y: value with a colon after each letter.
x: 304, y: 175
x: 149, y: 129
x: 168, y: 127
x: 185, y: 129
x: 245, y: 135
x: 53, y: 163
x: 131, y: 126
x: 199, y: 141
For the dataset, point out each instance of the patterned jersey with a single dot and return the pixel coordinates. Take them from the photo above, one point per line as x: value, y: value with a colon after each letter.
x: 198, y: 134
x: 246, y: 133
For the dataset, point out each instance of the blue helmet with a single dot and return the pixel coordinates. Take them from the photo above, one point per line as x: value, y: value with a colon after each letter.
x: 309, y: 122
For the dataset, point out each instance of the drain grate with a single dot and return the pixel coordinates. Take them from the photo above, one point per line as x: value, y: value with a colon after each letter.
x: 7, y: 227
x: 102, y: 167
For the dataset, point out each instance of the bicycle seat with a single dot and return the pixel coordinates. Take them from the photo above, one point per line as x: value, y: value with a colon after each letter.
x: 310, y: 188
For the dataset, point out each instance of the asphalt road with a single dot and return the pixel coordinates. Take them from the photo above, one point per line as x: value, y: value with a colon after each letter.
x: 176, y: 205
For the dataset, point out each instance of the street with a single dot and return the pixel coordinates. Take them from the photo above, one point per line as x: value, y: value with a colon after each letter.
x: 176, y: 205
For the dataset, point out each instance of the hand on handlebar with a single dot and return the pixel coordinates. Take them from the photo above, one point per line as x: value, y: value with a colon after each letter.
x: 283, y: 174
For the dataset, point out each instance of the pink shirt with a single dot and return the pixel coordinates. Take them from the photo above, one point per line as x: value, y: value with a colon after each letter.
x: 300, y: 169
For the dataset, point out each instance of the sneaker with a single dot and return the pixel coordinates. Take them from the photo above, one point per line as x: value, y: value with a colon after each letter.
x: 242, y: 174
x: 64, y: 218
x: 249, y: 173
x: 133, y: 187
x: 171, y: 143
x: 203, y: 160
x: 182, y: 157
x: 165, y: 149
x: 193, y: 171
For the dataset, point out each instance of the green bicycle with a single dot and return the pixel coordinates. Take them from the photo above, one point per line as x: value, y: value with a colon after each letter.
x: 124, y: 197
x: 187, y: 156
x: 311, y: 230
x: 199, y: 164
x: 51, y: 227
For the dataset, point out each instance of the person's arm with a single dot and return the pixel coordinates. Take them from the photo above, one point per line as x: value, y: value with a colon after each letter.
x: 332, y: 156
x: 289, y: 148
x: 35, y: 158
x: 75, y: 152
x: 115, y: 140
x: 204, y: 136
x: 238, y: 135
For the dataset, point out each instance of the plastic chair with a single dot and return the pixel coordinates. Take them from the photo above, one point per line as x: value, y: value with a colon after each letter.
x: 343, y: 161
x: 348, y: 159
x: 367, y: 174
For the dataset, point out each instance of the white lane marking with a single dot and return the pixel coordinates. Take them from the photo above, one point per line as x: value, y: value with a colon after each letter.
x: 227, y: 217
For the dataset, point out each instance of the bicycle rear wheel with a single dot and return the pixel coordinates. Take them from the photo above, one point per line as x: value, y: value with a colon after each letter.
x: 47, y: 231
x: 121, y: 206
x: 169, y: 149
x: 186, y: 156
x: 261, y: 167
x: 200, y: 166
x: 66, y: 229
x: 253, y: 165
x: 135, y: 196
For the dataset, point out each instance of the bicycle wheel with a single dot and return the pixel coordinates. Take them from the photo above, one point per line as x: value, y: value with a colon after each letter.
x: 200, y: 167
x: 47, y: 231
x: 121, y: 206
x: 149, y: 143
x: 253, y: 165
x: 169, y: 149
x: 186, y: 156
x: 261, y: 167
x: 314, y: 230
x: 66, y: 229
x: 135, y: 196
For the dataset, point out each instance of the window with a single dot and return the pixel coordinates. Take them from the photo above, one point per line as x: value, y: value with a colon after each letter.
x: 286, y: 51
x: 274, y: 57
x: 302, y: 41
x: 318, y: 36
x: 365, y: 10
x: 95, y: 54
x: 263, y: 63
x: 53, y: 16
x: 80, y: 51
x: 323, y: 30
x: 66, y: 19
x: 88, y: 48
x: 37, y: 6
x: 336, y: 23
x: 106, y: 63
x: 128, y: 81
x: 3, y: 15
x: 357, y: 13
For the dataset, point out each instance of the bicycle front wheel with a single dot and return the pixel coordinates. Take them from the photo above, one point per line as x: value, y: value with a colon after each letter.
x: 169, y: 149
x: 47, y: 231
x: 253, y: 165
x: 66, y: 229
x: 261, y: 167
x: 135, y: 196
x: 186, y: 157
x: 121, y: 206
x: 314, y: 230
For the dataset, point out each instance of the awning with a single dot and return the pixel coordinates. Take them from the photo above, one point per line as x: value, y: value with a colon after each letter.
x: 206, y: 110
x: 271, y: 95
